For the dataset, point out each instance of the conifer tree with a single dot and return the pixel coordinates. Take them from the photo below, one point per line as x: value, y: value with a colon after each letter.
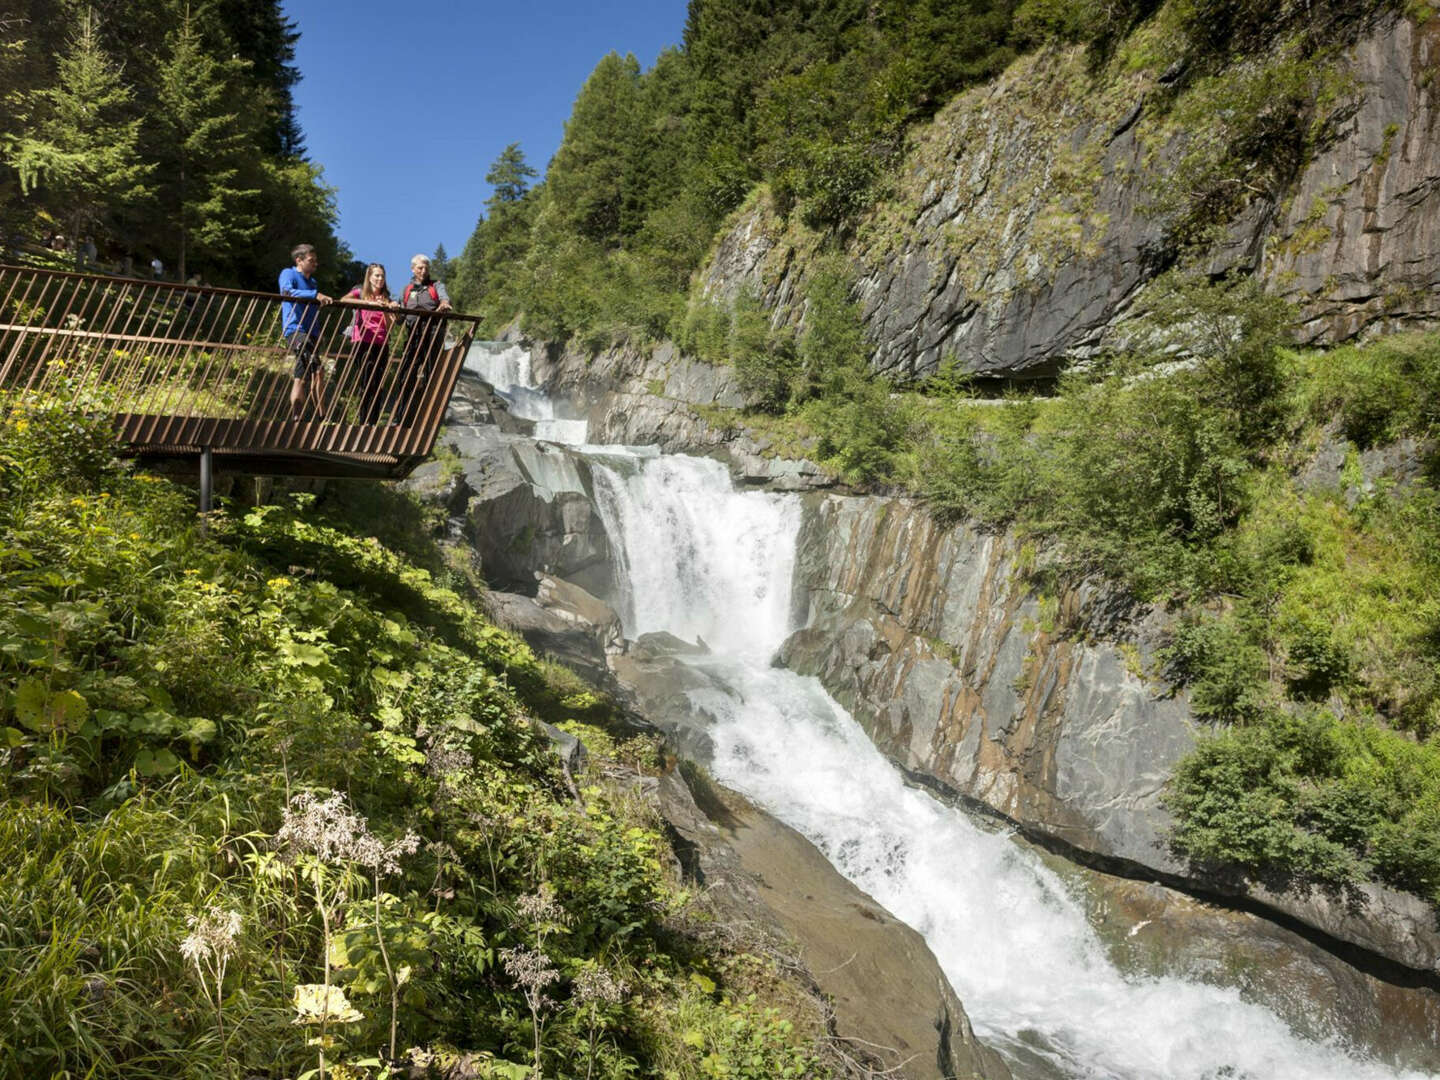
x: 587, y: 177
x: 201, y: 183
x: 500, y: 239
x: 509, y: 177
x: 79, y: 140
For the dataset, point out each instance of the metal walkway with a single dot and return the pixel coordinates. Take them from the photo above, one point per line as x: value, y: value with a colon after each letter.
x: 193, y: 372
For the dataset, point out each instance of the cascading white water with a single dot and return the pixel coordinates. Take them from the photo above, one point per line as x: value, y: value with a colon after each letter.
x: 506, y: 367
x: 704, y: 560
x: 696, y: 558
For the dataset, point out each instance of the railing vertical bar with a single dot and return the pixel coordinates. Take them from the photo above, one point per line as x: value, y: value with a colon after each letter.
x: 170, y: 353
x: 8, y: 367
x: 138, y: 317
x: 227, y: 352
x: 13, y: 280
x: 40, y: 375
x: 156, y: 426
x: 63, y: 318
x: 200, y: 383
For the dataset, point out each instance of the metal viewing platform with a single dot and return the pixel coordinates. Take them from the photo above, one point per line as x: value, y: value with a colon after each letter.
x: 200, y: 373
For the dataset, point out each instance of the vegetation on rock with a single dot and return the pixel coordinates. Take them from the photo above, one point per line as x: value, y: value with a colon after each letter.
x: 275, y: 800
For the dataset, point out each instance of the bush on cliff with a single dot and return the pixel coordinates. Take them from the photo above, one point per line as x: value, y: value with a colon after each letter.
x: 273, y: 785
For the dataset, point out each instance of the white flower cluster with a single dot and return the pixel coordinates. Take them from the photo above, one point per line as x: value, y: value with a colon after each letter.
x: 597, y: 984
x: 212, y: 937
x: 330, y: 831
x: 532, y: 971
x: 541, y: 906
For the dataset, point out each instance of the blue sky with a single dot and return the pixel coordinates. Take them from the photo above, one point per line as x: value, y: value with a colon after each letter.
x: 407, y: 104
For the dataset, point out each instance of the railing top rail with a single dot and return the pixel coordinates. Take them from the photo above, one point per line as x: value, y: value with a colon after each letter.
x: 219, y: 290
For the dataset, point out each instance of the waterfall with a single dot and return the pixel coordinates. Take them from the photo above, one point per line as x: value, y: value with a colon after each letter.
x: 506, y: 367
x: 695, y: 557
x: 700, y: 559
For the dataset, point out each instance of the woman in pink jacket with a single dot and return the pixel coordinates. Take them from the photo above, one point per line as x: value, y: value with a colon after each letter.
x: 370, y: 332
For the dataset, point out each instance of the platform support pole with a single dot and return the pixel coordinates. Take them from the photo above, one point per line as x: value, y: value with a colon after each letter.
x: 207, y: 485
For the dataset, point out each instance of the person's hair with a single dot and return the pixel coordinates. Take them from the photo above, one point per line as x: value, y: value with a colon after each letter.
x: 365, y: 293
x: 299, y: 251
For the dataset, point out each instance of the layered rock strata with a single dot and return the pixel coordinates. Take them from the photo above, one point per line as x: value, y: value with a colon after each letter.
x: 959, y: 672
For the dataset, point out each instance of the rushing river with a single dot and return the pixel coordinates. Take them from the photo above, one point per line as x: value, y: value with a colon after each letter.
x: 700, y: 560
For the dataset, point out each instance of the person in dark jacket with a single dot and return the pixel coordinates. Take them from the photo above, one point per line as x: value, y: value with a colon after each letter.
x: 424, y: 338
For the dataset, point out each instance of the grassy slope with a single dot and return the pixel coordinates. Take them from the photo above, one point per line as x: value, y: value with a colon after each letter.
x: 162, y: 693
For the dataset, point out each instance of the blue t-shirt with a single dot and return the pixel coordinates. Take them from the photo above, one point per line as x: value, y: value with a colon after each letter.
x: 298, y: 317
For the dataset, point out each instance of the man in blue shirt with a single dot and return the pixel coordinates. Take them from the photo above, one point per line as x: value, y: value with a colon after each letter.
x: 301, y: 327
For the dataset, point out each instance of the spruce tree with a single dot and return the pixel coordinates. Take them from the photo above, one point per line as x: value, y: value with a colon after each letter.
x: 203, y: 143
x: 78, y: 148
x: 509, y: 177
x: 587, y: 179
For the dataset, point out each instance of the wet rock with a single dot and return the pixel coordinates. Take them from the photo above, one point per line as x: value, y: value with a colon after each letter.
x: 649, y: 397
x: 892, y: 1005
x: 562, y: 621
x: 661, y: 643
x: 657, y: 685
x: 474, y: 401
x: 1151, y: 930
x: 570, y: 750
x: 526, y: 506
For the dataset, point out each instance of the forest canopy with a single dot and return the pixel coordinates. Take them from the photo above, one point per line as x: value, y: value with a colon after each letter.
x: 158, y: 129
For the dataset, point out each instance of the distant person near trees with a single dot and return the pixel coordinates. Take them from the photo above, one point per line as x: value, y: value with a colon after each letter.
x: 423, y: 338
x: 157, y: 268
x: 301, y: 327
x: 370, y: 332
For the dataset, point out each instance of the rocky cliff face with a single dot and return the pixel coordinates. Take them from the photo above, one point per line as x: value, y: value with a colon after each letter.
x: 1025, y: 218
x: 961, y: 674
x: 660, y: 397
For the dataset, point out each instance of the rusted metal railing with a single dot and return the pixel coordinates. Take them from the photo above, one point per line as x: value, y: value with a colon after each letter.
x: 194, y: 371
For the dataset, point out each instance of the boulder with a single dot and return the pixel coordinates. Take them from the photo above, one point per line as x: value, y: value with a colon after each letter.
x: 892, y: 1006
x: 562, y: 621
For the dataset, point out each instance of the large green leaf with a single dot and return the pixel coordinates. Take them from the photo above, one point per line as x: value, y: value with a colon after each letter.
x: 44, y: 710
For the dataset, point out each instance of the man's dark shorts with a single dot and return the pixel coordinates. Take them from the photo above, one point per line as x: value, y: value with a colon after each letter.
x: 302, y: 347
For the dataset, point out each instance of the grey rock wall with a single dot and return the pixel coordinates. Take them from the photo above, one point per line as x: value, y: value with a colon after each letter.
x: 658, y: 397
x: 932, y: 639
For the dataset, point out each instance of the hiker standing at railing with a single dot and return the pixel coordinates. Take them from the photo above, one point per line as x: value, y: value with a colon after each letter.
x: 370, y: 332
x: 301, y: 327
x: 423, y: 337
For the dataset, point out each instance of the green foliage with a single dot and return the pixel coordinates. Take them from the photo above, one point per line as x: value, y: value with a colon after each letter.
x: 1377, y: 392
x: 164, y: 694
x: 205, y: 142
x: 161, y: 130
x: 1138, y: 463
x: 823, y: 379
x: 1332, y: 801
x: 81, y: 140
